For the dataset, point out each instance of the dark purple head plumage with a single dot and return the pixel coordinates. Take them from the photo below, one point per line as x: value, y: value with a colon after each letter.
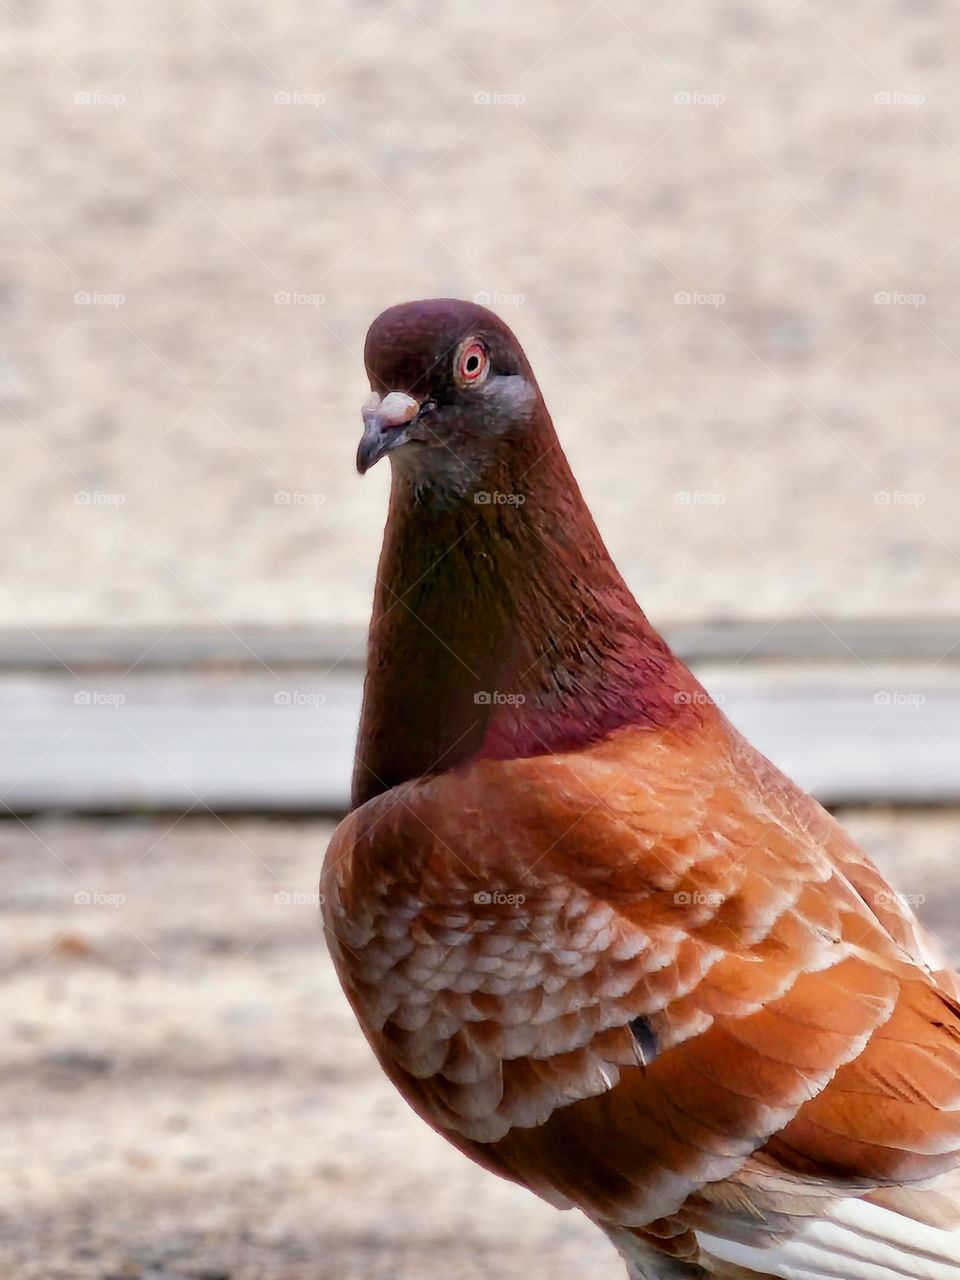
x: 501, y: 626
x: 410, y: 347
x: 444, y: 375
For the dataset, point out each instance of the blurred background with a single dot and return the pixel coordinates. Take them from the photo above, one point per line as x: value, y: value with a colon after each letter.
x: 727, y: 236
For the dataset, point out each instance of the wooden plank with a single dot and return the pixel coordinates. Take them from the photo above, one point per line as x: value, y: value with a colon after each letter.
x: 250, y: 740
x: 149, y: 648
x: 755, y: 640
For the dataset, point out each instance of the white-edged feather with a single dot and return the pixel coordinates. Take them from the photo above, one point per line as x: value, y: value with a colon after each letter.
x: 857, y: 1241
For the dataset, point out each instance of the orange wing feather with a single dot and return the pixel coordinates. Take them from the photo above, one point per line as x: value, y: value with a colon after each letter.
x: 497, y: 929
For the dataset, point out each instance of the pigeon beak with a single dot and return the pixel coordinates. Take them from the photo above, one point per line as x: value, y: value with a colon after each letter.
x: 384, y: 423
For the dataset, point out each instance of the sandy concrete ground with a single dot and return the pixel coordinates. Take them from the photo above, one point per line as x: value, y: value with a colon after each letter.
x: 796, y: 158
x: 185, y: 1093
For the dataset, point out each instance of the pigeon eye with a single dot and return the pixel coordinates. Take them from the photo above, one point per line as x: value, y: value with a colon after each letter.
x: 472, y: 362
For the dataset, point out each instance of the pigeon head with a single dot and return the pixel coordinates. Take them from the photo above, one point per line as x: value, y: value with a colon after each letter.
x: 500, y: 625
x: 450, y: 387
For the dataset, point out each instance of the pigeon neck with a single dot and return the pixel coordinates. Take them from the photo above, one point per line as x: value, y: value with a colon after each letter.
x: 501, y: 628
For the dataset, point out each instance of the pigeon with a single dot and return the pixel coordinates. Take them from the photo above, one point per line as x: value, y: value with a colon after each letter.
x: 593, y: 937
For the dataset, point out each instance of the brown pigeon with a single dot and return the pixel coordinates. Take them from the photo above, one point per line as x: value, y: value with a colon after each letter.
x: 594, y: 938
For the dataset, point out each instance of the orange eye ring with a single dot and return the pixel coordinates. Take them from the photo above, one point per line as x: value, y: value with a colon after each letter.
x: 473, y: 362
